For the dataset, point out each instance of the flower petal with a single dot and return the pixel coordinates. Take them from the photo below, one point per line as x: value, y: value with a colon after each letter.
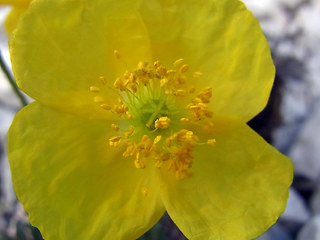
x: 223, y: 40
x: 239, y: 187
x: 15, y: 2
x: 13, y: 17
x: 61, y: 48
x: 72, y: 184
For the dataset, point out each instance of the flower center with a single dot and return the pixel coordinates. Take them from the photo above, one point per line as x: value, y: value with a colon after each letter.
x: 156, y: 105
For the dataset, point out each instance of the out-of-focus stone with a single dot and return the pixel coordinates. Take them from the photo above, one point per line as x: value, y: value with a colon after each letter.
x: 291, y: 3
x: 295, y: 102
x: 315, y: 201
x: 311, y: 230
x: 308, y: 20
x: 296, y: 211
x: 6, y: 117
x: 276, y: 232
x: 305, y: 152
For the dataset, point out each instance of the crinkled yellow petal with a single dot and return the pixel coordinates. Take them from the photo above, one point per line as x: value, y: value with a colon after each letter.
x: 61, y: 48
x: 72, y: 184
x: 239, y: 188
x: 13, y: 17
x: 220, y: 38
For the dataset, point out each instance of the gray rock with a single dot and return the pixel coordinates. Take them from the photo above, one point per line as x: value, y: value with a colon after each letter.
x: 296, y: 101
x: 291, y: 3
x: 296, y: 211
x: 305, y: 152
x: 6, y: 117
x: 276, y: 232
x: 315, y: 201
x: 311, y: 230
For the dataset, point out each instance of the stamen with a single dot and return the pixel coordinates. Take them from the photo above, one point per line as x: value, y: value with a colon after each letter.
x: 129, y: 133
x: 144, y: 191
x: 162, y: 122
x: 163, y: 82
x: 118, y: 83
x: 129, y: 116
x: 184, y: 120
x: 156, y: 64
x: 150, y: 102
x: 157, y: 139
x: 120, y: 109
x: 192, y: 90
x: 94, y: 89
x: 184, y: 68
x: 158, y: 164
x: 138, y: 163
x: 103, y: 80
x: 115, y: 141
x: 115, y: 127
x: 171, y: 72
x: 205, y: 95
x: 197, y: 74
x: 169, y: 140
x: 105, y: 106
x: 116, y: 54
x: 98, y: 99
x: 178, y: 62
x: 211, y: 142
x: 180, y: 92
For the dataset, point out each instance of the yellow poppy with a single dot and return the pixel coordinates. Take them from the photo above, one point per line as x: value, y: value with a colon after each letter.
x: 18, y: 8
x: 141, y: 108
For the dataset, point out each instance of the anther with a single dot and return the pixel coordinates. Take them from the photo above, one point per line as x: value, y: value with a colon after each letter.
x: 116, y: 54
x: 115, y: 141
x: 129, y: 116
x: 184, y: 120
x: 178, y: 62
x: 162, y: 122
x: 105, y: 106
x: 205, y: 95
x: 94, y: 89
x: 98, y: 99
x: 211, y: 142
x: 180, y: 92
x: 181, y: 79
x: 103, y: 80
x: 115, y: 127
x: 129, y: 133
x: 184, y: 68
x: 163, y: 82
x: 158, y: 164
x: 156, y: 64
x: 171, y: 71
x: 192, y: 90
x: 197, y: 74
x: 118, y: 83
x: 144, y: 191
x: 169, y: 141
x: 157, y: 139
x: 142, y: 65
x: 120, y: 109
x: 139, y: 164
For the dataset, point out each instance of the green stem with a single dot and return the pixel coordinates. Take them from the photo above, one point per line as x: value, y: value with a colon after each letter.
x: 12, y: 81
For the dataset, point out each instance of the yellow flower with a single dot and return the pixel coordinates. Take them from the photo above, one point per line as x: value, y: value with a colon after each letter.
x: 18, y: 8
x: 141, y: 108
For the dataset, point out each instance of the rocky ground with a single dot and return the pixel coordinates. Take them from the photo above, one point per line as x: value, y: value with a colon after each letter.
x: 290, y: 122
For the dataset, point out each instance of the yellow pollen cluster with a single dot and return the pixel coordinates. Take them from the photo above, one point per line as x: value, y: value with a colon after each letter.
x: 162, y: 122
x: 153, y: 106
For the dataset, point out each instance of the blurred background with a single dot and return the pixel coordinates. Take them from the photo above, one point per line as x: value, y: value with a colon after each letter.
x: 291, y: 123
